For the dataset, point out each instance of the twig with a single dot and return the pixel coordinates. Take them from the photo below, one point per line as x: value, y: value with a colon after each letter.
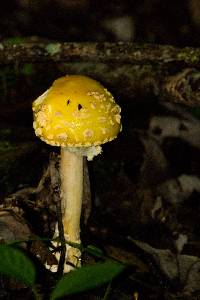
x: 55, y: 183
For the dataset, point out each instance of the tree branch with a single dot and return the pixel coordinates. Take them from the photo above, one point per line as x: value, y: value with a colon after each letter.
x: 99, y: 52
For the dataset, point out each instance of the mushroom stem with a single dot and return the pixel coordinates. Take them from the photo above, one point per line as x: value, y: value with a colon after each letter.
x: 71, y: 170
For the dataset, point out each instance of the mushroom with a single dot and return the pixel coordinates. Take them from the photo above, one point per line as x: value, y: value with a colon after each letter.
x: 77, y: 114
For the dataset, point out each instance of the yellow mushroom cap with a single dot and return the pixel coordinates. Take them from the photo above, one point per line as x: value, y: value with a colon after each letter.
x: 76, y: 111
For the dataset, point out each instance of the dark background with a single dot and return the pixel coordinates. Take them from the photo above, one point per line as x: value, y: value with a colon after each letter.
x: 156, y: 21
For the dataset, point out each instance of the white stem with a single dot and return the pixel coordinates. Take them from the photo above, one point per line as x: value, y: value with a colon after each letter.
x: 71, y: 170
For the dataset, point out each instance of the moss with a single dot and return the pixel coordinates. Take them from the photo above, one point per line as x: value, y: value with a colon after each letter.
x: 53, y: 48
x: 15, y: 40
x: 189, y: 56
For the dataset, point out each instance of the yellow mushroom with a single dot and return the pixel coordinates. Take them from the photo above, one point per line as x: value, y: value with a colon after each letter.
x: 78, y: 114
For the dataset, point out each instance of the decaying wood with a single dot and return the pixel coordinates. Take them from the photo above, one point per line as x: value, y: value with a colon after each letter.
x: 129, y: 69
x: 122, y: 52
x: 183, y: 86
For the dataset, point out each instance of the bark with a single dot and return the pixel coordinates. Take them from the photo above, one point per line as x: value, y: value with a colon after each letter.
x: 100, y: 52
x: 130, y: 69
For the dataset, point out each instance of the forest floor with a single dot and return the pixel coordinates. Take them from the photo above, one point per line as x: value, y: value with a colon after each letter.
x: 143, y: 204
